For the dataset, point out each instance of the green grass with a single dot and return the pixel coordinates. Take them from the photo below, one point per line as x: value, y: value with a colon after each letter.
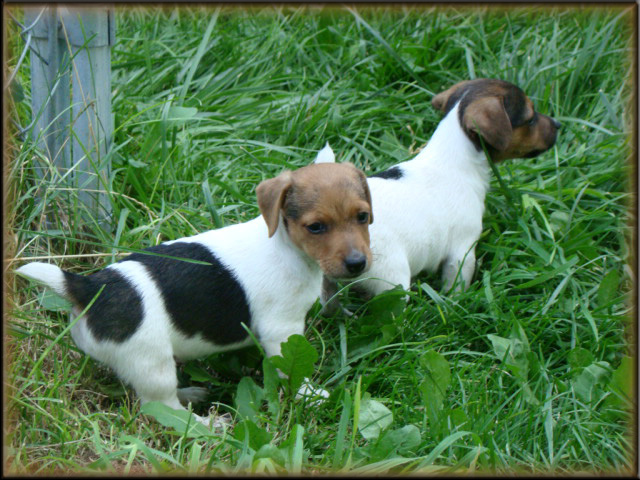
x: 528, y: 370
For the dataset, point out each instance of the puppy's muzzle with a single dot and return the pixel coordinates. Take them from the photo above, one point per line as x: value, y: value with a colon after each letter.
x: 355, y: 263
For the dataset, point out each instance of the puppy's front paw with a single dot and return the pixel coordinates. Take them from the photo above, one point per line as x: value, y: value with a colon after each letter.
x: 314, y: 395
x: 192, y: 394
x: 215, y: 421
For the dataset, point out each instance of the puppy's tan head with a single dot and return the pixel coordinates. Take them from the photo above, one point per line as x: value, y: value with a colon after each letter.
x: 326, y: 210
x: 502, y: 115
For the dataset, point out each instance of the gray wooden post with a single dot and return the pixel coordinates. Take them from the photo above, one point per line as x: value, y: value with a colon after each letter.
x: 71, y: 101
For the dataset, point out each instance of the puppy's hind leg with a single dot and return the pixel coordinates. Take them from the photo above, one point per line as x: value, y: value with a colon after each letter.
x: 154, y: 379
x: 459, y: 269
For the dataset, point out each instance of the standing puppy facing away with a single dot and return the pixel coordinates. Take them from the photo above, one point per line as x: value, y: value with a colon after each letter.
x: 266, y: 273
x: 429, y: 210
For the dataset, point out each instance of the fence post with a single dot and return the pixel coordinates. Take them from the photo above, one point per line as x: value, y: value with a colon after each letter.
x: 71, y: 102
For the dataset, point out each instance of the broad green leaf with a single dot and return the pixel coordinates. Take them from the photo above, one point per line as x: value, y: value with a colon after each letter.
x: 501, y: 346
x: 196, y: 372
x: 386, y: 307
x: 401, y: 440
x: 514, y: 353
x: 511, y: 352
x: 518, y: 332
x: 590, y: 379
x: 181, y: 420
x: 579, y: 358
x: 458, y: 418
x: 622, y: 378
x: 249, y: 398
x: 271, y: 381
x: 620, y: 402
x: 374, y: 418
x: 272, y: 452
x: 52, y: 301
x: 296, y: 360
x: 608, y: 287
x: 256, y: 437
x: 437, y: 378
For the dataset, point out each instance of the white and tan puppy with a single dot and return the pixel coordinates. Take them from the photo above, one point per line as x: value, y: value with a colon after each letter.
x: 429, y: 210
x: 266, y: 273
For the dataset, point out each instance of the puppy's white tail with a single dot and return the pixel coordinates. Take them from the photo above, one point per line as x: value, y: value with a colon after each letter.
x: 325, y: 155
x: 46, y: 273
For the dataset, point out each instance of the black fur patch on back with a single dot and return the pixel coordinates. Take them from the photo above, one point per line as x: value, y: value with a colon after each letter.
x: 117, y: 312
x: 206, y: 299
x: 393, y: 173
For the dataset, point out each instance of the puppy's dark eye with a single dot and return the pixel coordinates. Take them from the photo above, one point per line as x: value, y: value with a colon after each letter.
x: 317, y: 228
x: 532, y: 121
x: 363, y: 217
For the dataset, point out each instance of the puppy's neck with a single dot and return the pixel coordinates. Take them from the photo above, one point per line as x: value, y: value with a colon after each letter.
x: 286, y: 246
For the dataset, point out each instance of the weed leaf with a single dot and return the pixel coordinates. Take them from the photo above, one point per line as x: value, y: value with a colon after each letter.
x: 386, y: 307
x: 512, y: 352
x: 590, y: 380
x: 51, y: 301
x: 196, y: 372
x: 437, y: 379
x: 374, y: 418
x: 621, y: 386
x: 248, y: 432
x: 269, y: 451
x: 401, y: 440
x: 249, y: 398
x: 579, y: 358
x: 297, y: 360
x: 608, y: 288
x: 271, y: 381
x: 181, y: 420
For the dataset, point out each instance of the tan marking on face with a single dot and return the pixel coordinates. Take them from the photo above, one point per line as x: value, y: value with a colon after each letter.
x: 330, y: 195
x: 528, y: 140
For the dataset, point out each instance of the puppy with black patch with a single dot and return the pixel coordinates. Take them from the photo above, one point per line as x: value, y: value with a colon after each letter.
x: 429, y: 210
x: 156, y: 307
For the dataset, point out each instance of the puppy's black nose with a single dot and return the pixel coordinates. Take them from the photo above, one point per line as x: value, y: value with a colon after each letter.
x: 355, y: 262
x: 556, y: 123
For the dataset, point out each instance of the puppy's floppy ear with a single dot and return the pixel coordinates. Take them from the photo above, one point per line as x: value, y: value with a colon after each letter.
x: 439, y: 102
x: 367, y: 192
x: 271, y: 194
x: 325, y: 155
x: 488, y: 118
